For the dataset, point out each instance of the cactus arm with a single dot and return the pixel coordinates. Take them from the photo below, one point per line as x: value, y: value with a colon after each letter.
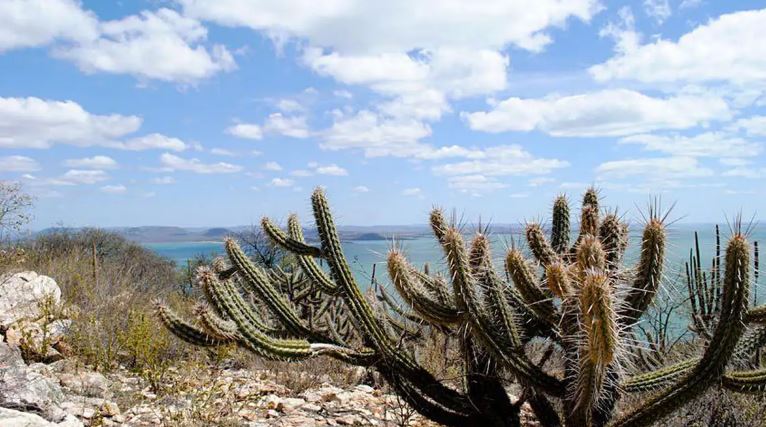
x: 288, y: 243
x: 560, y: 225
x: 307, y: 263
x: 500, y: 313
x: 589, y: 216
x: 185, y: 330
x: 428, y: 407
x: 745, y: 381
x: 757, y: 315
x: 505, y: 318
x: 558, y: 279
x: 247, y: 309
x: 613, y: 236
x: 717, y: 354
x: 597, y: 347
x: 654, y: 379
x: 465, y: 295
x: 528, y: 289
x: 538, y: 244
x: 648, y: 272
x: 369, y: 325
x: 403, y: 277
x: 259, y: 283
x: 438, y: 224
x: 751, y: 341
x: 436, y: 286
x: 271, y: 348
x: 223, y: 329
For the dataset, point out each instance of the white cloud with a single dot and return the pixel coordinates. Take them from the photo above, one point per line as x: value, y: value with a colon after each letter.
x: 755, y: 125
x: 316, y: 168
x: 282, y: 182
x: 30, y: 23
x: 361, y: 189
x: 246, y: 130
x: 419, y: 85
x: 612, y: 112
x: 689, y: 4
x: 95, y: 162
x: 343, y: 94
x: 18, y: 164
x: 653, y: 168
x: 727, y: 48
x: 412, y: 192
x: 294, y: 126
x: 275, y: 123
x: 474, y: 183
x: 272, y: 166
x: 154, y: 141
x: 222, y: 152
x: 162, y: 45
x: 377, y: 136
x: 332, y: 169
x: 37, y: 123
x: 417, y: 55
x: 289, y: 105
x: 501, y: 161
x: 623, y: 31
x: 172, y: 162
x: 746, y: 172
x: 78, y: 176
x: 709, y: 144
x: 659, y: 10
x: 399, y: 25
x: 115, y: 189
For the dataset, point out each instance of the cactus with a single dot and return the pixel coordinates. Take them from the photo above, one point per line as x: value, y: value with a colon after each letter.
x: 579, y: 298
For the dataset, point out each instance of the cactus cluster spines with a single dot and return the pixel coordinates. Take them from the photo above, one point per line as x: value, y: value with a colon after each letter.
x: 577, y: 296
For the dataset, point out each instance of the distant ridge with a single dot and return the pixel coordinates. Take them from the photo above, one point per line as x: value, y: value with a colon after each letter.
x: 172, y: 234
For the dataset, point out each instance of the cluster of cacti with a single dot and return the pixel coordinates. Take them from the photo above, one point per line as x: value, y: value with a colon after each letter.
x: 578, y: 297
x: 704, y: 295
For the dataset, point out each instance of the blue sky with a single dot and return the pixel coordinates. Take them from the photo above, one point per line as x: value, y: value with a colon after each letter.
x: 203, y: 113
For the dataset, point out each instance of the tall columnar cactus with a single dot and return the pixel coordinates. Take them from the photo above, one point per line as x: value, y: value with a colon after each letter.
x: 578, y: 297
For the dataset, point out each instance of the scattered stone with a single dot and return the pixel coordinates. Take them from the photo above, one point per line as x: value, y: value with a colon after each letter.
x: 22, y: 296
x: 11, y: 417
x: 86, y: 383
x: 25, y: 389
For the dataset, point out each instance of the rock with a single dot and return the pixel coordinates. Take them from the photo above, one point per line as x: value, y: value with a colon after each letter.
x: 86, y: 383
x: 10, y: 417
x: 37, y: 340
x: 22, y: 296
x: 109, y: 409
x: 363, y: 388
x: 25, y: 389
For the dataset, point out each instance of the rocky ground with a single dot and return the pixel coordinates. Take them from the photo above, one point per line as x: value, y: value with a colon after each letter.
x: 61, y: 391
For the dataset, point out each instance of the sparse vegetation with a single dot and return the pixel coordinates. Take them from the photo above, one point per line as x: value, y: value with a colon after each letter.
x: 578, y: 298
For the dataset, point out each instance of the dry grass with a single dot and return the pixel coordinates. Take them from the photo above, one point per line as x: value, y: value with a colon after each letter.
x: 107, y: 284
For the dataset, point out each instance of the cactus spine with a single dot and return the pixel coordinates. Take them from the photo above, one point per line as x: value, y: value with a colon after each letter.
x: 578, y: 297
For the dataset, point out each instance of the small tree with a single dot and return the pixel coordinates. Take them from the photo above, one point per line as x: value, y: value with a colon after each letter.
x: 14, y: 208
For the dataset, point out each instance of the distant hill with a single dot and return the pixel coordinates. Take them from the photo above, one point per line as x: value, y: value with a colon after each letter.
x: 170, y: 234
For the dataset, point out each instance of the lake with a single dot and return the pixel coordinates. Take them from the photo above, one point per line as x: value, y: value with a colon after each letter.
x: 362, y: 254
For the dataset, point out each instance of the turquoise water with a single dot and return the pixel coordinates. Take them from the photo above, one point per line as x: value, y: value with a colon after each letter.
x: 362, y: 255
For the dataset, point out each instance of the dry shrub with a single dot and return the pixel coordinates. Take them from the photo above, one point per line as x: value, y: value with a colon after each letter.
x: 108, y: 284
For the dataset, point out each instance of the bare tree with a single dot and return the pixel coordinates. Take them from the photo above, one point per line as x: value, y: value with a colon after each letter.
x: 14, y: 208
x: 259, y: 247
